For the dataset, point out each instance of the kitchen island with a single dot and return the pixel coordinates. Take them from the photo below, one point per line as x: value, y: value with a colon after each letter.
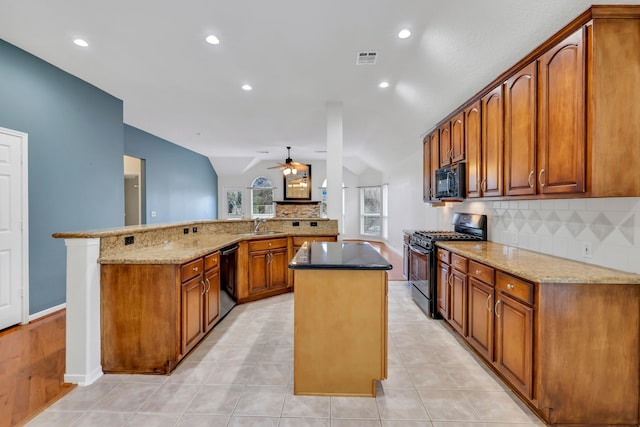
x: 340, y: 319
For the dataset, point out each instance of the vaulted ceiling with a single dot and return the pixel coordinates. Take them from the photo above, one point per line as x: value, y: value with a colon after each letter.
x: 297, y: 55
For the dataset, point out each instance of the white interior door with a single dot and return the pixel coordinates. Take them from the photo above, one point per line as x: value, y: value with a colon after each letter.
x: 13, y: 228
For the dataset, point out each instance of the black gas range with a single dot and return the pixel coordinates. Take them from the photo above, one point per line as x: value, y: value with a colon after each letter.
x: 423, y: 259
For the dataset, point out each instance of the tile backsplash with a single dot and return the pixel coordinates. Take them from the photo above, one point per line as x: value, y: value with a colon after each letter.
x: 608, y: 227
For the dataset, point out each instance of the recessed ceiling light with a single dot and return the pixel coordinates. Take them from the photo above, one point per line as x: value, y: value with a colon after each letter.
x: 246, y: 87
x: 211, y: 39
x: 383, y: 85
x: 403, y: 34
x: 81, y: 42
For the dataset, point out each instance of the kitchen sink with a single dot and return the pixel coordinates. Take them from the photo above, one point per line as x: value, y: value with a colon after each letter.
x: 258, y: 233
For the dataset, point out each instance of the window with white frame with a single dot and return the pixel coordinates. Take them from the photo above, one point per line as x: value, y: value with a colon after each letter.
x: 234, y: 202
x: 374, y: 211
x: 261, y: 198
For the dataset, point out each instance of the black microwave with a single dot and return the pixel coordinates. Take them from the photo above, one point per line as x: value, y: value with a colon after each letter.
x: 450, y: 182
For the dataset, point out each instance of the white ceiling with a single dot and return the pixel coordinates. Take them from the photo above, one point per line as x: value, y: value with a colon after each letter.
x: 297, y: 55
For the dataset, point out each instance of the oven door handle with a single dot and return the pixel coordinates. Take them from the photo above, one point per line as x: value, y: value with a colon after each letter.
x: 419, y: 249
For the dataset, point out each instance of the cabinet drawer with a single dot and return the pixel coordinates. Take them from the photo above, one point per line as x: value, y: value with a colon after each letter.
x: 515, y: 287
x: 212, y: 261
x: 191, y: 269
x: 459, y: 262
x: 481, y: 272
x: 299, y: 240
x: 261, y: 245
x: 443, y: 255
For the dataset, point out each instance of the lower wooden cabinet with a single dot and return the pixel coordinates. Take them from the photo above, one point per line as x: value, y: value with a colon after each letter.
x: 152, y: 315
x: 458, y: 294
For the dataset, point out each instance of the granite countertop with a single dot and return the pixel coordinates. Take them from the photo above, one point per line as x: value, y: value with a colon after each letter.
x: 537, y: 267
x: 187, y: 249
x: 338, y: 256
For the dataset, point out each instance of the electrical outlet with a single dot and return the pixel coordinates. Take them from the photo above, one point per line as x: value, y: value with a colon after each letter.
x: 514, y: 238
x: 128, y: 240
x: 314, y: 224
x: 586, y: 249
x: 185, y: 230
x: 296, y: 223
x: 194, y: 229
x: 153, y: 213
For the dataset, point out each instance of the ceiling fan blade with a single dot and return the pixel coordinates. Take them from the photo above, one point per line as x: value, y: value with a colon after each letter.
x: 278, y: 167
x: 300, y: 166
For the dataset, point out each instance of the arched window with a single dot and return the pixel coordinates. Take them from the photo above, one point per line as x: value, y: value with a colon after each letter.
x: 261, y: 198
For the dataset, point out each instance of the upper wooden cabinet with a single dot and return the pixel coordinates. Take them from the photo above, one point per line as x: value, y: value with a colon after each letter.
x: 431, y: 162
x: 473, y: 143
x: 445, y: 144
x: 492, y: 144
x: 520, y: 132
x: 457, y: 138
x: 562, y: 122
x: 561, y: 117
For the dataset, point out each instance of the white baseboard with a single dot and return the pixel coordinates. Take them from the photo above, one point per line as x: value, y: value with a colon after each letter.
x: 43, y: 313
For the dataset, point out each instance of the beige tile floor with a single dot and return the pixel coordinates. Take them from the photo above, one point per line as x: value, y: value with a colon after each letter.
x: 242, y: 375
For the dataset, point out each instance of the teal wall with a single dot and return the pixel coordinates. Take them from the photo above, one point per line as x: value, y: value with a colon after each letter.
x: 180, y: 185
x: 76, y: 147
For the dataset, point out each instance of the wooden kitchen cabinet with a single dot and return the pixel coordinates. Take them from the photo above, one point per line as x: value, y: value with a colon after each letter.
x: 514, y: 332
x: 520, y: 163
x: 561, y: 122
x: 151, y: 315
x: 473, y: 144
x: 442, y: 291
x: 492, y: 143
x: 268, y: 265
x: 430, y: 164
x: 457, y: 138
x: 480, y: 332
x: 444, y: 138
x: 458, y: 294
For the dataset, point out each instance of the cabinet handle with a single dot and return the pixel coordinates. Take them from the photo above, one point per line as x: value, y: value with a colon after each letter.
x: 510, y: 286
x: 484, y: 185
x: 450, y: 279
x: 203, y: 287
x: 195, y: 268
x: 529, y: 179
x: 540, y: 177
x: 478, y: 271
x: 495, y: 308
x: 488, y: 304
x: 208, y: 284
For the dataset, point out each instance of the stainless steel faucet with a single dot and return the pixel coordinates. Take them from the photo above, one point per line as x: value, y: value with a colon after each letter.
x: 257, y: 222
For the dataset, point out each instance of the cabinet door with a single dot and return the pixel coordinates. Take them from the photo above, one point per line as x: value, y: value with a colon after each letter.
x: 435, y: 160
x: 561, y: 119
x: 278, y: 268
x: 258, y: 272
x: 426, y: 169
x: 492, y: 144
x: 458, y: 306
x: 472, y: 136
x: 520, y: 132
x: 514, y: 342
x: 457, y: 138
x: 211, y: 298
x: 443, y: 289
x: 480, y: 315
x: 445, y: 144
x: 192, y: 310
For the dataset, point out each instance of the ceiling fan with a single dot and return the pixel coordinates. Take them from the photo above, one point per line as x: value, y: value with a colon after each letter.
x: 289, y: 166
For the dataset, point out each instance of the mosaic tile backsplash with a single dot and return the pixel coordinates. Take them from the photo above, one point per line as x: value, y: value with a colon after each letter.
x: 608, y: 227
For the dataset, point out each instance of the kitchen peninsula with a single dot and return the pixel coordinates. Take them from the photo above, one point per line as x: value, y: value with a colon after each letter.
x: 164, y: 280
x: 340, y: 319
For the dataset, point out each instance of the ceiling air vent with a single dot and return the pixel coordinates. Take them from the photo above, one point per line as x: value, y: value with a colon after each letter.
x: 366, y: 58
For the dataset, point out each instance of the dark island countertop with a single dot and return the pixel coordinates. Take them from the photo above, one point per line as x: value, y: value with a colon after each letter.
x: 338, y: 256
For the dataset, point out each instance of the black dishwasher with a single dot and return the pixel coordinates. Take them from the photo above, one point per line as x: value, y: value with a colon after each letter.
x: 227, y: 279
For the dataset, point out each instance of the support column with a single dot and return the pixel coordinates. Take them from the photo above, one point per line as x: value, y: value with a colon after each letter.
x: 83, y: 312
x: 334, y: 162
